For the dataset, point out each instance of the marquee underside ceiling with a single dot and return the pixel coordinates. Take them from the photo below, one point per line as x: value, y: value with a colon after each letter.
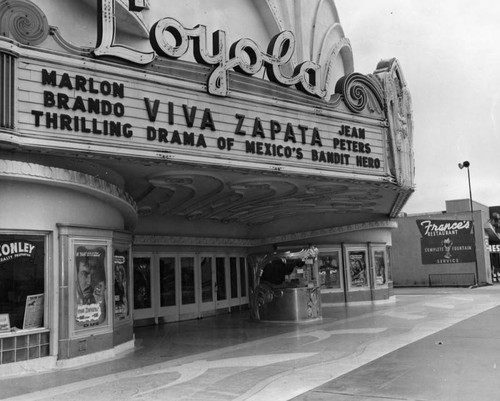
x: 247, y: 202
x: 179, y: 199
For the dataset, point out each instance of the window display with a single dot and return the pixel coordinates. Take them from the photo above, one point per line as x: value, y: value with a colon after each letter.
x: 22, y: 277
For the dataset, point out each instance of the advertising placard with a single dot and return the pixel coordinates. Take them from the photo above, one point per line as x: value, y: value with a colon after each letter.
x: 33, y: 312
x: 446, y: 241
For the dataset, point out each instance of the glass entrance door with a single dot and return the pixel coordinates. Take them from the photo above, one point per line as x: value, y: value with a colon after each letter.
x: 143, y: 290
x: 176, y: 281
x: 170, y: 287
x: 188, y: 308
x: 207, y: 274
x: 221, y: 276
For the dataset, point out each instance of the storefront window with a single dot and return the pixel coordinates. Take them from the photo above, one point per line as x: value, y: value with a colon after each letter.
x: 22, y: 282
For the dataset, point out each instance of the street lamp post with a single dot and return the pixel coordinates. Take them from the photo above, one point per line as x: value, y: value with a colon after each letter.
x: 466, y: 164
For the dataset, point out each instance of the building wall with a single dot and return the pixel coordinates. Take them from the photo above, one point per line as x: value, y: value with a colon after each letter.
x: 92, y: 188
x: 406, y: 253
x: 39, y: 200
x: 41, y: 207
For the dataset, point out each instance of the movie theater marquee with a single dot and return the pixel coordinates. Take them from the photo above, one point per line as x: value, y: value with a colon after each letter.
x: 119, y: 111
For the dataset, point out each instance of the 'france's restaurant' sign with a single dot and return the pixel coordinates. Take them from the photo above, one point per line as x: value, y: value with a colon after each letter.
x: 446, y: 241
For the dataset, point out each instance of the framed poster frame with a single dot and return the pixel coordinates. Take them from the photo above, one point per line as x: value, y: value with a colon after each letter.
x: 86, y: 317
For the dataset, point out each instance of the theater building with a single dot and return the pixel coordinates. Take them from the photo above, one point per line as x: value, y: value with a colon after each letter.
x: 148, y: 148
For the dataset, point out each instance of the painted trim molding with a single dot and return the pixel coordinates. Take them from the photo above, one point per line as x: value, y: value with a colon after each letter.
x: 238, y: 242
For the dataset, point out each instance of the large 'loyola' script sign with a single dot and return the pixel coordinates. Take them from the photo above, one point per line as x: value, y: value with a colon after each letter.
x: 243, y: 56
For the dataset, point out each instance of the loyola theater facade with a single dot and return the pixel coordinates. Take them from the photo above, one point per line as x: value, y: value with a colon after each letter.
x: 146, y: 151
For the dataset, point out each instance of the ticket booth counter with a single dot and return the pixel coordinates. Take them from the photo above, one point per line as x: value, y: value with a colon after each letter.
x: 286, y: 287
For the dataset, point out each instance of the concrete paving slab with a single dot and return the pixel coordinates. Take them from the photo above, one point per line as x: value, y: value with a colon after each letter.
x: 405, y: 349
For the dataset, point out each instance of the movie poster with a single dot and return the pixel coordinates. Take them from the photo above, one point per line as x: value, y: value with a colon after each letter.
x: 121, y: 285
x: 91, y: 291
x: 446, y: 241
x: 357, y: 268
x: 329, y: 270
x: 379, y: 267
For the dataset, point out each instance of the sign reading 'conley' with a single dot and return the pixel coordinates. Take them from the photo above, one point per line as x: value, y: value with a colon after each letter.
x: 16, y: 249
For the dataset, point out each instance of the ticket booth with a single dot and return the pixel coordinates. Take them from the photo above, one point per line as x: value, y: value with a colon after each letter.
x: 286, y: 287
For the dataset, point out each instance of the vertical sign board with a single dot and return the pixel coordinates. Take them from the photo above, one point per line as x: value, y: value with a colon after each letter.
x: 446, y: 241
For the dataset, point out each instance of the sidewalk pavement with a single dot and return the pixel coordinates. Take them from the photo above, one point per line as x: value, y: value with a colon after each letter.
x: 461, y: 362
x: 425, y: 344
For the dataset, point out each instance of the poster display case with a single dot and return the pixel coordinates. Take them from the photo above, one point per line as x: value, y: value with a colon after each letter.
x: 379, y: 266
x: 122, y: 284
x: 330, y: 268
x: 357, y: 268
x: 90, y: 287
x: 286, y: 286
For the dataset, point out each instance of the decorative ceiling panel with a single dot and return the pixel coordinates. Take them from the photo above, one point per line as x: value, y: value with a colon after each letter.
x: 229, y: 198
